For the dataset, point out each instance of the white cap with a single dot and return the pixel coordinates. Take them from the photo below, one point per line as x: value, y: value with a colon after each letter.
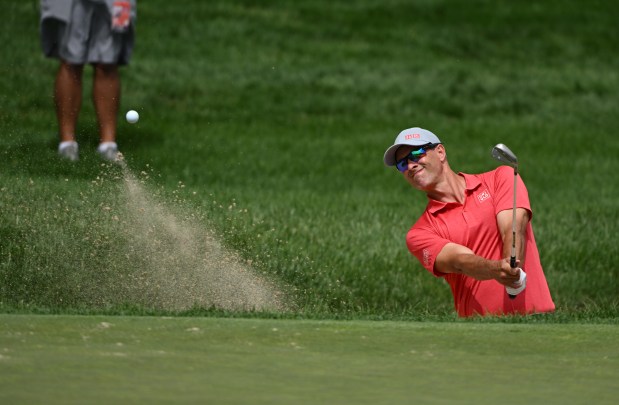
x: 411, y: 136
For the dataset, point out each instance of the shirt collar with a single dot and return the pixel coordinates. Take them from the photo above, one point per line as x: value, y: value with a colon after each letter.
x: 471, y: 183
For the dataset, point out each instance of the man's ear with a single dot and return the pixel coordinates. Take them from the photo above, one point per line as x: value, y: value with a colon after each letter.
x: 442, y: 153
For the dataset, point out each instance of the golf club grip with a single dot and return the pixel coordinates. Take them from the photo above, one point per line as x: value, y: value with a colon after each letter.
x: 522, y: 283
x: 512, y: 263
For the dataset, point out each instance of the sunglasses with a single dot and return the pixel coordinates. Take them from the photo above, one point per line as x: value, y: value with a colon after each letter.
x: 414, y: 155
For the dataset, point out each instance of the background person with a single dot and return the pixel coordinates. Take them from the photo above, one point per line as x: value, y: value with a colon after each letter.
x: 465, y: 233
x: 96, y: 32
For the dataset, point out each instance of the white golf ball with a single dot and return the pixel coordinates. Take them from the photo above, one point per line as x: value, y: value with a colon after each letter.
x: 132, y: 116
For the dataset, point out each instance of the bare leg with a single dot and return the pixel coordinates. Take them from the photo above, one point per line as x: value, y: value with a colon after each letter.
x: 68, y: 99
x: 106, y: 97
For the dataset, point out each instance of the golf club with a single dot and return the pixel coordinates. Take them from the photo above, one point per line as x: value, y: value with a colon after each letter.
x: 504, y: 155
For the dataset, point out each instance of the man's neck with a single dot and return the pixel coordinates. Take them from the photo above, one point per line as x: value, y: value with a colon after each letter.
x: 449, y: 189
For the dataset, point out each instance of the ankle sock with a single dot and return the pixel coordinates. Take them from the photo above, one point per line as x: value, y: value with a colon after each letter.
x: 104, y: 146
x: 65, y: 144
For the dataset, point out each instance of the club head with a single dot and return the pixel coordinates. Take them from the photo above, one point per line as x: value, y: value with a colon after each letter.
x: 503, y: 154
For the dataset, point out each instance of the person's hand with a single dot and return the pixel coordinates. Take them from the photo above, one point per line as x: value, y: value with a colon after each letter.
x: 508, y: 276
x: 522, y: 284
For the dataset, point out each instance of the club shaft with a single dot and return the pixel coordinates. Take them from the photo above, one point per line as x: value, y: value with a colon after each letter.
x: 513, y: 258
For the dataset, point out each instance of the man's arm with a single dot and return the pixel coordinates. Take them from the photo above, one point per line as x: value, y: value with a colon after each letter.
x: 454, y: 258
x: 504, y: 223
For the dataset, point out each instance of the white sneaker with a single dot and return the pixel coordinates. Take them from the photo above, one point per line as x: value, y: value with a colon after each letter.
x: 108, y: 150
x: 69, y: 150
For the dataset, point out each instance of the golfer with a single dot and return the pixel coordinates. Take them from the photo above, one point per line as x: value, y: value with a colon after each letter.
x: 465, y: 233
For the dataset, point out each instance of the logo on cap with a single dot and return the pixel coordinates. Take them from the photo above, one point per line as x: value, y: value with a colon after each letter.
x: 412, y: 136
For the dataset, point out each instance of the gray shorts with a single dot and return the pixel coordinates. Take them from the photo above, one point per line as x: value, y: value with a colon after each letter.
x: 87, y: 36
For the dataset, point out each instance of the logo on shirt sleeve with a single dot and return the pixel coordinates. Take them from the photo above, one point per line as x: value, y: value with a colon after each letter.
x: 483, y: 196
x: 426, y: 257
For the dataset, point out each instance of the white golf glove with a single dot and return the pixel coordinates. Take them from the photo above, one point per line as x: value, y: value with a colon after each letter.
x: 522, y: 282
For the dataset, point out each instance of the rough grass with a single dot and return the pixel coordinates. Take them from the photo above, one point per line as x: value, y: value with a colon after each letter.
x: 276, y: 115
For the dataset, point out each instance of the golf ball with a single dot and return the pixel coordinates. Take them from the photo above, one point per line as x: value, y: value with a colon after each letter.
x: 132, y: 116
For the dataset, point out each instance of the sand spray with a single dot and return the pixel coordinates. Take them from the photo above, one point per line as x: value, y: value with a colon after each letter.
x: 113, y: 239
x: 182, y: 263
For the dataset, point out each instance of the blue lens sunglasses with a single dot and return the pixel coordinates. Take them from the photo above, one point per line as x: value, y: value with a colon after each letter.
x: 414, y: 155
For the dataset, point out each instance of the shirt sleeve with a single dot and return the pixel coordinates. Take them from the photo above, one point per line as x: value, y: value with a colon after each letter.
x: 504, y: 188
x: 425, y: 244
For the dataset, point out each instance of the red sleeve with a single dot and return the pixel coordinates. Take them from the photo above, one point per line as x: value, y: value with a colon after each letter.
x: 425, y: 244
x: 504, y: 188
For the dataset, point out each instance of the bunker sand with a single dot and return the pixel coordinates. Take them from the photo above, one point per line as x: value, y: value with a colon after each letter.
x: 181, y: 263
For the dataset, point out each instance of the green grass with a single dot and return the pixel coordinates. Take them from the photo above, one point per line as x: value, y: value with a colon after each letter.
x: 265, y: 123
x: 98, y: 359
x: 276, y: 115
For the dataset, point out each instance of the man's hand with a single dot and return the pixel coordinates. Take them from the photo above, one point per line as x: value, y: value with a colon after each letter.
x: 455, y: 258
x: 508, y: 276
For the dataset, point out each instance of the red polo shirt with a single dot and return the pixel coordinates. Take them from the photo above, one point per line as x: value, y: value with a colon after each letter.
x: 473, y: 224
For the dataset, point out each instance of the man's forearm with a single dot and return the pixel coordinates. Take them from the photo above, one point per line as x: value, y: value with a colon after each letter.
x: 477, y: 267
x: 504, y: 222
x: 459, y: 259
x: 521, y: 243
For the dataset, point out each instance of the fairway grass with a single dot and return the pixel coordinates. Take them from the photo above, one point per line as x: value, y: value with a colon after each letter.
x: 105, y: 359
